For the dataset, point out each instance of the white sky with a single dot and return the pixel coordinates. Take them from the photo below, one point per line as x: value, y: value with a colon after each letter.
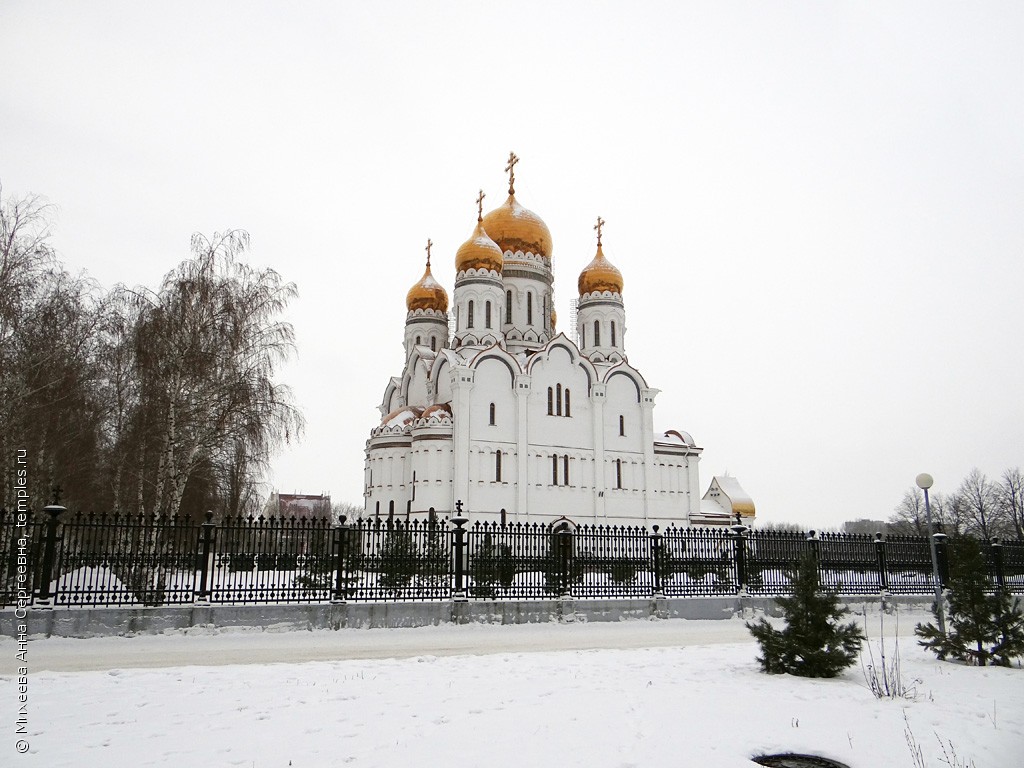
x: 816, y: 206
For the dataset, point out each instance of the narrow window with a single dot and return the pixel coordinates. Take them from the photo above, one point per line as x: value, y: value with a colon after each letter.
x: 558, y: 401
x: 492, y: 414
x: 544, y: 319
x: 414, y: 486
x: 377, y: 511
x: 565, y: 469
x: 597, y: 327
x: 508, y: 307
x: 529, y: 309
x: 622, y: 425
x: 417, y: 341
x: 613, y: 333
x: 551, y: 402
x: 583, y: 337
x: 469, y: 315
x: 433, y: 343
x: 567, y: 411
x: 618, y: 473
x: 554, y: 470
x: 497, y: 467
x: 487, y: 315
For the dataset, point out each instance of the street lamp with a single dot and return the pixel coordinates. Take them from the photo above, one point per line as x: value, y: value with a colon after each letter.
x: 924, y: 482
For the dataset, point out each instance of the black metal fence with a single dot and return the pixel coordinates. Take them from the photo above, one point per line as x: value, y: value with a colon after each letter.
x: 57, y: 559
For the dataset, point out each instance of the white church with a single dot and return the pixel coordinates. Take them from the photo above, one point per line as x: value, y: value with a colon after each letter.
x: 497, y: 409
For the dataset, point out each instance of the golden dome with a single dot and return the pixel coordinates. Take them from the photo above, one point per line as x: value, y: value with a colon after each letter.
x: 427, y: 293
x: 600, y: 275
x: 479, y: 252
x: 514, y: 228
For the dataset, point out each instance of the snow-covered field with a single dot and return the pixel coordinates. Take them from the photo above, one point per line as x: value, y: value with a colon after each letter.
x: 640, y: 693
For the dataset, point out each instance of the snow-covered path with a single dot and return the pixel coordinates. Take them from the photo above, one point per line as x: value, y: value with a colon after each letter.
x: 671, y: 693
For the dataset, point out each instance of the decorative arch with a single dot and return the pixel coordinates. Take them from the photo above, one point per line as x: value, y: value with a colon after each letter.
x: 631, y: 373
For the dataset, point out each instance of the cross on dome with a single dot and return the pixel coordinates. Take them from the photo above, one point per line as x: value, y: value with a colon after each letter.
x: 429, y: 243
x: 599, y: 226
x: 480, y: 206
x: 511, y: 168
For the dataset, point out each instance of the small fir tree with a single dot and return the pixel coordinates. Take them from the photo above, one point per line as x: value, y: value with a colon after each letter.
x: 814, y: 643
x: 980, y: 628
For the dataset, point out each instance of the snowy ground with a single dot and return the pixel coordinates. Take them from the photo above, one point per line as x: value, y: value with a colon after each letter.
x: 658, y: 693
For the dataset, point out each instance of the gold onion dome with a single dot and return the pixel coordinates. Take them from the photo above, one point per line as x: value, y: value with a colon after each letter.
x: 600, y: 275
x: 515, y: 228
x: 427, y: 293
x: 479, y: 252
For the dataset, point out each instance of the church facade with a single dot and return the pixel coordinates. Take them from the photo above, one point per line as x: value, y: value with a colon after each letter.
x: 499, y: 410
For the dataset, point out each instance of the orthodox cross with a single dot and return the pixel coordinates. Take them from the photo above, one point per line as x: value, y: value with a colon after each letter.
x: 599, y: 226
x: 428, y: 251
x: 480, y: 206
x: 511, y: 168
x: 458, y: 506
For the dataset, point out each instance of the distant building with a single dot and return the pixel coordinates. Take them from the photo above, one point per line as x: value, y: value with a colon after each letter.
x: 298, y: 505
x: 499, y: 410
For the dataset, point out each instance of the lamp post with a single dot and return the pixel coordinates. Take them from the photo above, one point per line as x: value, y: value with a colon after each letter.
x: 924, y: 482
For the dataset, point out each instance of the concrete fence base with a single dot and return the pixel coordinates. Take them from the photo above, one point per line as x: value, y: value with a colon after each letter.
x: 115, y: 621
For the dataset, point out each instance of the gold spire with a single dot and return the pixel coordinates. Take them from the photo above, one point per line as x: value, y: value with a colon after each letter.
x: 600, y: 274
x: 427, y: 293
x: 511, y: 170
x: 480, y: 251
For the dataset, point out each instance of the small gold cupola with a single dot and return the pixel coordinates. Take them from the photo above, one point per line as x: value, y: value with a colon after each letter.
x: 427, y: 293
x: 600, y: 274
x: 480, y: 251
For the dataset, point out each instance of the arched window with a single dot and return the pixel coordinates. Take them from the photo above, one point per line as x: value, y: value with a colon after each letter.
x: 487, y: 315
x: 567, y: 411
x: 414, y: 486
x: 492, y: 414
x: 529, y: 308
x: 417, y: 341
x: 597, y: 326
x: 433, y: 343
x: 497, y: 466
x: 469, y: 315
x: 565, y: 469
x: 544, y: 319
x: 618, y: 473
x: 622, y: 425
x: 558, y: 401
x: 613, y: 333
x: 551, y: 402
x: 508, y: 307
x: 554, y: 469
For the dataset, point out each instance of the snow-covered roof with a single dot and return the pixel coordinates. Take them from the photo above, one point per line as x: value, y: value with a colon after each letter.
x: 726, y: 492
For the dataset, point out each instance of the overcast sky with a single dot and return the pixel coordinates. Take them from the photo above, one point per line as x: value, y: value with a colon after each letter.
x: 816, y: 207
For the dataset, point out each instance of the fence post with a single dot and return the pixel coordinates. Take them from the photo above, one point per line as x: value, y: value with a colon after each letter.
x: 44, y: 597
x: 564, y: 548
x: 656, y: 554
x: 739, y: 533
x: 942, y: 556
x: 883, y: 574
x: 997, y: 561
x: 341, y: 535
x: 459, y: 545
x: 206, y: 556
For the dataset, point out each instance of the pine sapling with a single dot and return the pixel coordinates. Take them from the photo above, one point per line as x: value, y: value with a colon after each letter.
x: 814, y: 643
